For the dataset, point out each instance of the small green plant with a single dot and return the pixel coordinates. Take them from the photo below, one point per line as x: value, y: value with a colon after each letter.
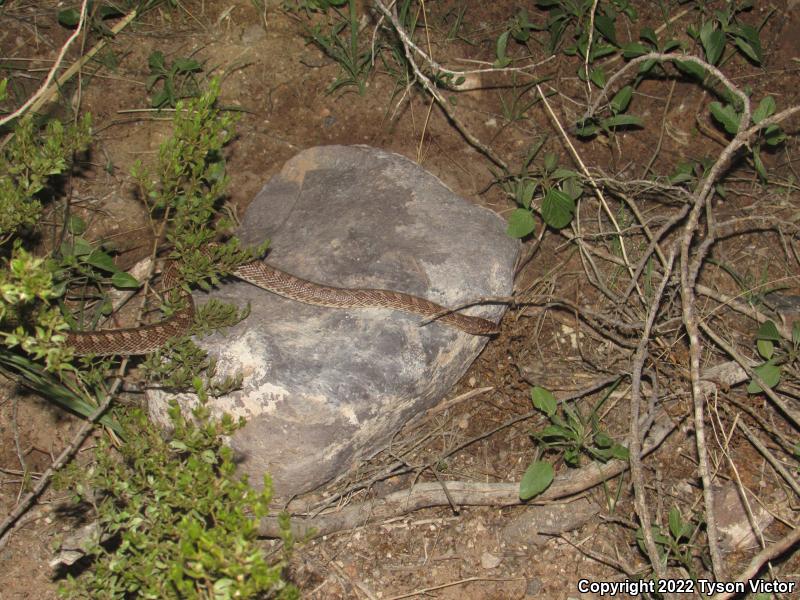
x: 31, y: 160
x: 174, y: 521
x: 520, y: 102
x: 768, y: 341
x: 576, y: 13
x: 536, y: 479
x: 454, y: 31
x: 28, y: 321
x: 618, y: 106
x: 33, y: 316
x: 96, y: 15
x: 172, y: 82
x: 559, y: 189
x: 725, y: 26
x: 40, y: 298
x: 519, y: 29
x: 771, y: 136
x: 652, y: 43
x: 674, y: 543
x: 185, y: 189
x: 573, y: 432
x: 91, y: 269
x: 343, y: 46
x: 753, y: 288
x: 179, y: 362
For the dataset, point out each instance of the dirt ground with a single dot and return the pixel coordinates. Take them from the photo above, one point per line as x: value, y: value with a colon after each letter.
x: 279, y: 81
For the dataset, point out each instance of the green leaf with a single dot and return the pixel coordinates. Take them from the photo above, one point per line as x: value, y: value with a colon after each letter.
x: 759, y: 164
x: 796, y: 333
x: 572, y: 457
x: 544, y: 400
x: 187, y: 65
x: 550, y: 162
x: 620, y: 452
x: 156, y: 61
x: 563, y: 174
x: 748, y: 41
x: 574, y: 420
x: 670, y: 45
x: 622, y: 99
x: 124, y: 280
x: 680, y: 178
x: 634, y: 49
x: 502, y: 43
x: 76, y: 225
x: 646, y: 66
x: 521, y: 34
x: 537, y: 478
x: 675, y: 523
x: 768, y: 331
x: 607, y: 27
x: 770, y: 374
x: 774, y: 135
x: 766, y: 108
x: 102, y: 261
x: 659, y: 537
x: 80, y: 247
x: 598, y: 77
x: 106, y: 307
x: 621, y: 121
x: 520, y: 223
x: 178, y: 445
x: 691, y: 68
x: 69, y: 17
x: 151, y: 82
x: 586, y: 128
x: 601, y: 454
x: 765, y: 348
x: 557, y: 209
x: 683, y: 172
x: 649, y: 35
x: 713, y: 41
x: 572, y: 187
x: 161, y: 98
x: 603, y: 440
x: 556, y: 432
x: 601, y: 50
x: 526, y: 196
x: 34, y: 376
x: 728, y: 117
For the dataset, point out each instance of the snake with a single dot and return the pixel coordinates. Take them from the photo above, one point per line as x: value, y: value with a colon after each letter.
x: 149, y: 338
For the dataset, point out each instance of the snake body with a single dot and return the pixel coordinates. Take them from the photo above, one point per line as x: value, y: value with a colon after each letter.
x: 148, y: 338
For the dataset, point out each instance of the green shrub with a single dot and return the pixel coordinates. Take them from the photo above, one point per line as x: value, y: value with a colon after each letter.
x: 174, y: 520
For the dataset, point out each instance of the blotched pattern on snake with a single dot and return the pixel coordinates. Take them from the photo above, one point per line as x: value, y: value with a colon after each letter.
x: 148, y: 338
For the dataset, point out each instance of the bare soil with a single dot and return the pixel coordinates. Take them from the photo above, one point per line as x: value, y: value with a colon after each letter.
x: 279, y: 81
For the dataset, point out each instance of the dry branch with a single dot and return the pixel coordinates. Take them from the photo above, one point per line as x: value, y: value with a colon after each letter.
x: 426, y: 495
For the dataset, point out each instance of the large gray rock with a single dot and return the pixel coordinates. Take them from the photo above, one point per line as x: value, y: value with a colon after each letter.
x: 325, y: 387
